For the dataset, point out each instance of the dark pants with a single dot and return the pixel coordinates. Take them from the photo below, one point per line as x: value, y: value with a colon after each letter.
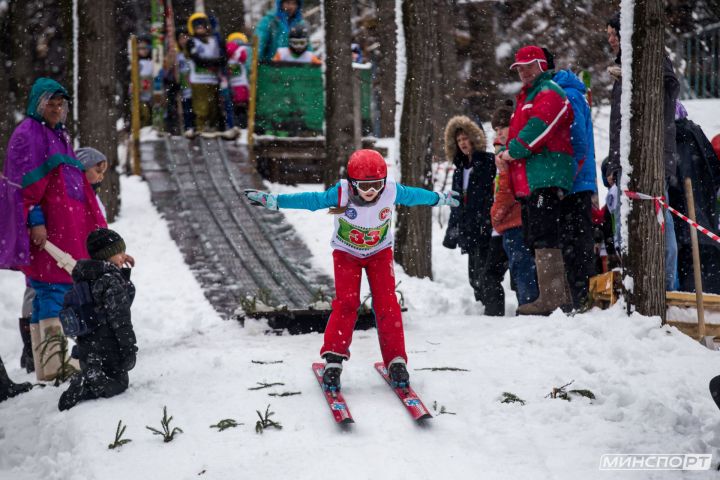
x: 496, y: 264
x: 709, y: 265
x: 578, y: 244
x: 477, y: 256
x: 541, y: 218
x: 522, y: 265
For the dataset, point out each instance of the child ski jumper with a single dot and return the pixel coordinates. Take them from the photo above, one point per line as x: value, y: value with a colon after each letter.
x: 206, y: 62
x: 145, y: 72
x: 363, y: 239
x: 297, y: 49
x: 237, y: 54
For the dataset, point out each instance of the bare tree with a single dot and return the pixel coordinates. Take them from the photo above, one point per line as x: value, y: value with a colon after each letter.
x: 646, y: 245
x: 338, y: 99
x: 386, y: 56
x: 417, y: 132
x: 96, y: 94
x: 230, y: 14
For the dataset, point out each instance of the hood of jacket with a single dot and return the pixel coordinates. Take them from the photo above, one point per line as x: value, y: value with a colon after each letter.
x: 476, y: 134
x: 283, y: 16
x: 90, y: 270
x: 42, y: 86
x: 567, y: 79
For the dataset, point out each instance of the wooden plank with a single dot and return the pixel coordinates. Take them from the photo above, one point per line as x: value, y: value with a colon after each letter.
x: 687, y: 299
x: 691, y: 329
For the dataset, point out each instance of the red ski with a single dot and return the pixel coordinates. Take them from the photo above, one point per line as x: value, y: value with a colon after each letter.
x: 407, y: 395
x: 335, y: 400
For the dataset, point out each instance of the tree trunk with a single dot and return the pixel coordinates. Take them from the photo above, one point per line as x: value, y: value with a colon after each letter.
x: 230, y: 14
x: 97, y: 92
x: 485, y: 73
x: 413, y: 240
x: 646, y: 245
x: 386, y: 57
x: 338, y: 96
x: 447, y: 88
x: 36, y: 45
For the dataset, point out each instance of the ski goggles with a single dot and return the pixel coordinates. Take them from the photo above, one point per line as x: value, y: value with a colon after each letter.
x: 298, y: 43
x: 368, y: 185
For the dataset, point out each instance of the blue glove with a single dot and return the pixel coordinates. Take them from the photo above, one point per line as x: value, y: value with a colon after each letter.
x: 263, y: 199
x: 448, y: 198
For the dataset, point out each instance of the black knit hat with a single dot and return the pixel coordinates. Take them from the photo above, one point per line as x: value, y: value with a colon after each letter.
x: 103, y: 243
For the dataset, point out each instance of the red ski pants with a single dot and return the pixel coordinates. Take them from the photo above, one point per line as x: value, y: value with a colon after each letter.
x: 381, y: 277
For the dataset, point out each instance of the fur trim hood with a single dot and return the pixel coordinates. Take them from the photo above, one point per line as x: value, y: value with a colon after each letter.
x: 475, y: 132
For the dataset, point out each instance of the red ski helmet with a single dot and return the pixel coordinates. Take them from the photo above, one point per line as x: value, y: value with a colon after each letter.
x: 366, y: 165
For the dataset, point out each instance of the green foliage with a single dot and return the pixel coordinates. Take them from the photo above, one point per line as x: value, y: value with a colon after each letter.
x: 119, y: 441
x: 266, y: 385
x: 365, y: 308
x: 511, y: 398
x: 442, y: 411
x: 265, y: 422
x: 250, y: 304
x: 563, y: 394
x: 56, y: 345
x: 167, y: 434
x: 284, y: 394
x: 225, y: 424
x: 443, y: 369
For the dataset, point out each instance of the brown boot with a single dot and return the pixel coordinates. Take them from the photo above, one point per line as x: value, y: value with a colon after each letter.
x: 551, y: 284
x: 49, y: 353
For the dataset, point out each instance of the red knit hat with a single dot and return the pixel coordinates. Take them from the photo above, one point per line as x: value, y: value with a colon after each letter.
x: 716, y: 145
x: 530, y: 54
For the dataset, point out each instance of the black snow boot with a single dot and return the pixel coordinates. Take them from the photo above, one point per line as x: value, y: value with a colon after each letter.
x: 8, y: 388
x: 26, y: 357
x: 333, y: 369
x: 397, y: 371
x: 75, y: 393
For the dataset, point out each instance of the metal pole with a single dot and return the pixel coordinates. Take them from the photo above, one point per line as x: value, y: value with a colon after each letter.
x: 135, y: 118
x: 696, y: 260
x: 253, y: 98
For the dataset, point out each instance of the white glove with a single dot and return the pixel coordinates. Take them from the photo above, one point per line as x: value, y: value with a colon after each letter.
x: 267, y: 200
x: 448, y: 198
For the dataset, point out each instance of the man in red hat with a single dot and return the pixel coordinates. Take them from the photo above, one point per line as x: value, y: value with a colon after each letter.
x: 539, y: 155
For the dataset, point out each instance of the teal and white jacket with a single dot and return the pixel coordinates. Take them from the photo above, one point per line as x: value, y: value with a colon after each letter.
x: 362, y: 230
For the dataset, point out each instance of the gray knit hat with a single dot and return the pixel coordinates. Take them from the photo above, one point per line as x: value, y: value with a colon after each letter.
x: 89, y: 157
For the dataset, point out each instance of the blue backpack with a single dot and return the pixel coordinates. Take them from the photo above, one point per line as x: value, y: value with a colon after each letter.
x: 78, y: 315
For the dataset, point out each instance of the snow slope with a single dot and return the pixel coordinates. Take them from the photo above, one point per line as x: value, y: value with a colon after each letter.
x: 650, y: 384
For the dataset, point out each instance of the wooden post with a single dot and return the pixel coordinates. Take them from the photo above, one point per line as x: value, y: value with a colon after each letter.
x: 135, y: 118
x: 696, y: 260
x: 253, y: 98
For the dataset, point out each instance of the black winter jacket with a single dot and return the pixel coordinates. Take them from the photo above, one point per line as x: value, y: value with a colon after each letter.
x: 697, y: 161
x: 470, y: 225
x: 113, y: 341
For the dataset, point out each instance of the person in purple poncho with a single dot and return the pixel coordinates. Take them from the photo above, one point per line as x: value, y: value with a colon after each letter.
x: 45, y: 196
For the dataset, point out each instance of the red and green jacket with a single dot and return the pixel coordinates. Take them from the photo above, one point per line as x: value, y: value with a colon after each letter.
x: 539, y: 138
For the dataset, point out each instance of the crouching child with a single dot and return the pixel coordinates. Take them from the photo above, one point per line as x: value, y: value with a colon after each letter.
x: 97, y: 312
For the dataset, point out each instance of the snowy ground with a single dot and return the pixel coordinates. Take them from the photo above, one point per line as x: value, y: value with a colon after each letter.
x: 650, y: 384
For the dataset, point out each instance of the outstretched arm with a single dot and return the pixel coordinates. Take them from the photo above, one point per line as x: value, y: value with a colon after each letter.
x: 412, y: 196
x: 305, y: 200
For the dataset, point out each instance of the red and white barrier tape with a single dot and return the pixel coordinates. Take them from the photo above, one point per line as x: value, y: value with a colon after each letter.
x: 661, y: 201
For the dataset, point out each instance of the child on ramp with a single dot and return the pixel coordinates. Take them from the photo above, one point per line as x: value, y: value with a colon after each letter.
x: 362, y: 206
